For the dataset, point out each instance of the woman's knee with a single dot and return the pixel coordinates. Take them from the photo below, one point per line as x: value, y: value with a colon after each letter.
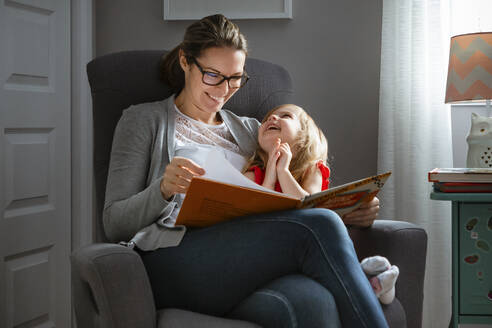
x: 290, y: 301
x: 321, y: 219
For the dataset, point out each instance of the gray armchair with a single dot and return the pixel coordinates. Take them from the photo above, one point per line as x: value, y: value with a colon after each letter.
x: 110, y: 284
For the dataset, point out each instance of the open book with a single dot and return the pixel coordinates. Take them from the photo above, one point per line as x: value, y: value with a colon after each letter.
x: 224, y: 193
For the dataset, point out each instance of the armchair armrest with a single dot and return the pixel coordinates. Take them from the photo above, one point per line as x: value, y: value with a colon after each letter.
x: 405, y: 245
x: 111, y: 288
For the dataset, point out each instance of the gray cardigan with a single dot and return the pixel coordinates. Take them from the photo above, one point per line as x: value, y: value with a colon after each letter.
x: 143, y: 145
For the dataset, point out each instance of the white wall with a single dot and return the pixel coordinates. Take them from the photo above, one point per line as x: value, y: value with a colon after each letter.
x: 331, y: 48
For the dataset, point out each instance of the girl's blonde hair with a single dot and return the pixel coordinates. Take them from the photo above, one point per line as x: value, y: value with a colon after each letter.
x: 310, y: 147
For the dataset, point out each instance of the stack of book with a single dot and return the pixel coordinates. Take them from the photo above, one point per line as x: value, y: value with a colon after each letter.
x: 462, y: 180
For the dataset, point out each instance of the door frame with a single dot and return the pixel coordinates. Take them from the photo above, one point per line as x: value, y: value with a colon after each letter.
x: 82, y: 184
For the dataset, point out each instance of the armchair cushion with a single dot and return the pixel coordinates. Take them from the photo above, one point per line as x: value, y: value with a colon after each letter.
x: 176, y: 318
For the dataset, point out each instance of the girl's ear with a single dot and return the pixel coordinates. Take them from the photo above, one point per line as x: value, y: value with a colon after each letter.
x: 182, y: 60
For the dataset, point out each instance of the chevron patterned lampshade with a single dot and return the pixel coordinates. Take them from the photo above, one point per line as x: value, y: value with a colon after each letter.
x: 470, y: 68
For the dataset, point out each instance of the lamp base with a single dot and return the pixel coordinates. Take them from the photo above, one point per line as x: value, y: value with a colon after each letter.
x: 480, y: 142
x: 479, y: 156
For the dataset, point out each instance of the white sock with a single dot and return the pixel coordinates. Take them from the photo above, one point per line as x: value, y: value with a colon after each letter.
x: 384, y: 284
x: 374, y: 265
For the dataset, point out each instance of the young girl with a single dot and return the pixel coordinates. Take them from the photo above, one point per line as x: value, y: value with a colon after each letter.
x: 291, y: 159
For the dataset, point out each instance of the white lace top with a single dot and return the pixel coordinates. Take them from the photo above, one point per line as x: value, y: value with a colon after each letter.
x: 192, y: 132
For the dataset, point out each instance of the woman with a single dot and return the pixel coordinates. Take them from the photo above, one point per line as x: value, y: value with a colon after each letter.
x: 214, y: 269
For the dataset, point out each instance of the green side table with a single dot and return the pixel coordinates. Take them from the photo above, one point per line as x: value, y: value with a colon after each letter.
x: 472, y: 256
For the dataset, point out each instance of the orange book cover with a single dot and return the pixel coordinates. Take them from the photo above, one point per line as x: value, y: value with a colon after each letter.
x: 208, y: 202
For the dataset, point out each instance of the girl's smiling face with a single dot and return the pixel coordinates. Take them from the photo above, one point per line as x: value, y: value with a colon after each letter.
x: 283, y: 123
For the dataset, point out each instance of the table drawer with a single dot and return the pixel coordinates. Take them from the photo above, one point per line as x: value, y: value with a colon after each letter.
x: 475, y: 256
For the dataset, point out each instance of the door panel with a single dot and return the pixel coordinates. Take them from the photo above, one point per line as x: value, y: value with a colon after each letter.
x: 35, y: 163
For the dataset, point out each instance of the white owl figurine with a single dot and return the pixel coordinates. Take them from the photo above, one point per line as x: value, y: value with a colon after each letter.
x: 480, y: 142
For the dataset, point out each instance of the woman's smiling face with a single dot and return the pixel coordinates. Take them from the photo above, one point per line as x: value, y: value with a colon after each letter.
x: 283, y: 123
x: 207, y: 100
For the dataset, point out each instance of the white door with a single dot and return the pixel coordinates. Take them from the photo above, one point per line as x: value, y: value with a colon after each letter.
x: 35, y: 163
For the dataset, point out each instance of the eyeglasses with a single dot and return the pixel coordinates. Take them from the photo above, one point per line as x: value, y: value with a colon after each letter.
x: 214, y: 78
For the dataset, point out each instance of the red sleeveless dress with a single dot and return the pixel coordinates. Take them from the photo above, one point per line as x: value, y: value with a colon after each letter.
x: 325, y: 173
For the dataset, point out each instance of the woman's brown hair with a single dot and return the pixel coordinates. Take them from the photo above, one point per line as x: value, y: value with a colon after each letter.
x: 211, y: 31
x: 310, y: 147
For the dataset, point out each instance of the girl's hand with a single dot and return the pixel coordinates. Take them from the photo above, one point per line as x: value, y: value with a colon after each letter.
x: 271, y: 168
x: 274, y: 154
x: 285, y: 158
x: 177, y: 176
x: 364, y: 216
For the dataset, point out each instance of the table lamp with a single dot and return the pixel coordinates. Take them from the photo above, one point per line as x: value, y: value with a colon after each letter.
x: 470, y: 80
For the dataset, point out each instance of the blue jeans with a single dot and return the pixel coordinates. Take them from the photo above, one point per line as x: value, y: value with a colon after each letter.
x: 215, y: 269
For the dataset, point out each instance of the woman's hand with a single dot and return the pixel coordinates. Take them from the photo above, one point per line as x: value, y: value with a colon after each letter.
x: 177, y: 176
x: 364, y: 216
x: 285, y: 157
